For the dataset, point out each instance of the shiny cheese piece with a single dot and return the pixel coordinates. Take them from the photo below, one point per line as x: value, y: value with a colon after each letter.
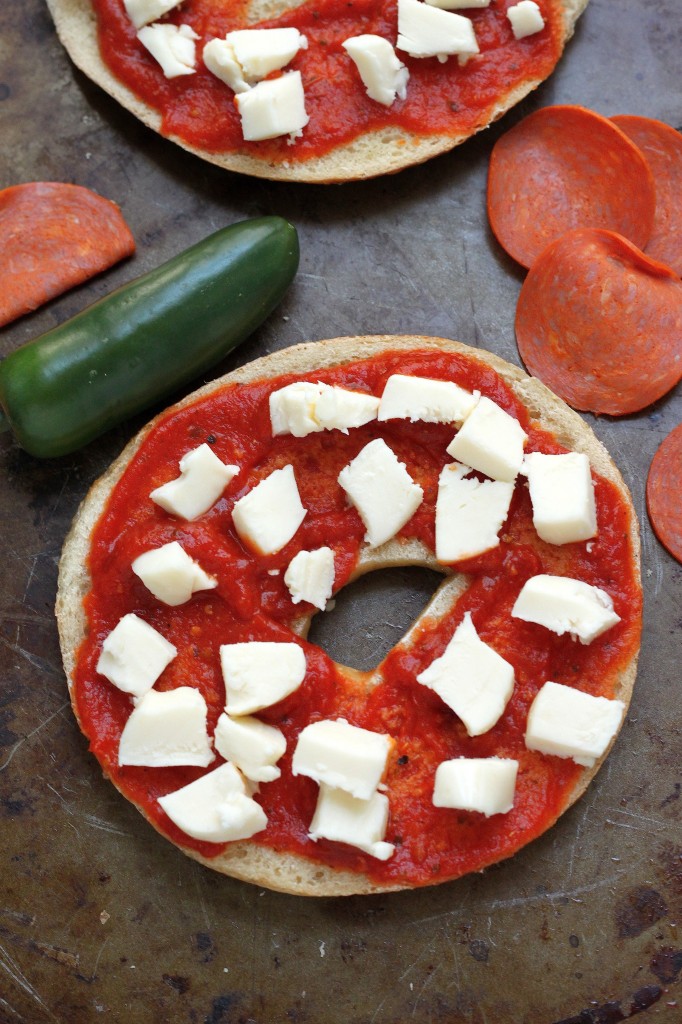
x: 310, y: 577
x: 268, y: 516
x: 383, y: 75
x: 203, y: 478
x: 562, y: 496
x: 253, y: 746
x: 526, y: 19
x: 383, y: 492
x: 172, y: 46
x: 246, y: 56
x: 143, y: 12
x: 483, y: 784
x: 490, y: 441
x: 171, y: 575
x: 420, y: 398
x: 342, y: 756
x: 304, y: 408
x: 273, y: 107
x: 260, y: 673
x: 134, y: 655
x: 215, y: 808
x: 343, y: 818
x: 166, y: 729
x: 471, y: 678
x: 469, y: 513
x: 219, y: 57
x: 565, y: 605
x: 569, y: 723
x: 425, y: 31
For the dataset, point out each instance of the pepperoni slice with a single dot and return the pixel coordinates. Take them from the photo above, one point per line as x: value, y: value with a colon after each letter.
x: 662, y: 147
x: 566, y: 167
x: 663, y: 489
x: 600, y: 323
x: 54, y: 236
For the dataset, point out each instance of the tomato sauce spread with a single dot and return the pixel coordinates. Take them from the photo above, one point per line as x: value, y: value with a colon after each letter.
x: 442, y: 98
x: 251, y: 602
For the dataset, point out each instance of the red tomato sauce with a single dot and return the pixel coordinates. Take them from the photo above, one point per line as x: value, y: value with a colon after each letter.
x: 442, y: 98
x: 250, y: 604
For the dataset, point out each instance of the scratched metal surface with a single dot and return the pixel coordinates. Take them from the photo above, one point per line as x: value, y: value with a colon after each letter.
x: 100, y: 919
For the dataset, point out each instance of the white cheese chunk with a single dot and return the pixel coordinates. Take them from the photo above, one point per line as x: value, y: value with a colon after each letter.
x: 172, y: 46
x: 246, y: 56
x: 270, y: 514
x: 220, y: 59
x: 471, y: 678
x: 490, y: 441
x: 273, y: 107
x: 562, y: 496
x: 526, y: 19
x: 341, y: 409
x: 383, y: 75
x: 425, y: 31
x: 310, y: 577
x: 304, y: 408
x: 134, y: 655
x: 343, y: 818
x: 253, y: 746
x: 565, y: 605
x: 469, y: 513
x: 171, y: 575
x: 382, y: 491
x: 165, y: 729
x: 203, y: 478
x: 143, y: 12
x: 483, y: 784
x: 420, y: 398
x: 260, y: 673
x: 570, y: 723
x: 215, y: 808
x: 342, y: 756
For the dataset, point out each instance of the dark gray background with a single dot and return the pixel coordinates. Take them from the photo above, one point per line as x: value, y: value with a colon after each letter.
x: 100, y: 918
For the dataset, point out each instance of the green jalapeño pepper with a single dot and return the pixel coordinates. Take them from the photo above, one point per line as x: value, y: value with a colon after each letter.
x: 147, y: 338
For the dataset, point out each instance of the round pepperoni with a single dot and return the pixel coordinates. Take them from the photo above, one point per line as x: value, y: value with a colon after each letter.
x: 663, y: 489
x: 600, y: 323
x: 662, y: 147
x: 566, y: 167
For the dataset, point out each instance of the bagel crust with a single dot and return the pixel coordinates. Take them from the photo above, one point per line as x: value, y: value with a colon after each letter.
x: 382, y: 142
x: 311, y: 869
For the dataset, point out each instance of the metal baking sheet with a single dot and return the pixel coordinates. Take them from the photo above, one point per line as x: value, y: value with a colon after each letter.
x: 100, y: 918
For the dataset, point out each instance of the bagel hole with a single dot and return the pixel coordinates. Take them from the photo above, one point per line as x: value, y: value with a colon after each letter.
x: 372, y: 614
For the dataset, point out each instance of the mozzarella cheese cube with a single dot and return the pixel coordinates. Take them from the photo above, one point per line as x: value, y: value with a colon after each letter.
x: 134, y: 655
x: 471, y: 678
x: 220, y: 59
x: 310, y: 577
x: 562, y: 496
x: 253, y: 746
x: 383, y: 75
x: 340, y: 409
x: 171, y: 575
x: 215, y: 808
x: 526, y: 19
x: 270, y: 514
x: 490, y: 441
x: 244, y: 57
x: 166, y: 729
x: 172, y: 46
x: 273, y: 107
x: 203, y: 478
x: 304, y: 408
x: 420, y: 398
x: 342, y: 756
x: 143, y: 12
x: 382, y: 491
x: 343, y: 818
x: 483, y: 784
x: 570, y: 723
x: 565, y: 605
x: 425, y: 31
x: 260, y: 673
x: 469, y: 513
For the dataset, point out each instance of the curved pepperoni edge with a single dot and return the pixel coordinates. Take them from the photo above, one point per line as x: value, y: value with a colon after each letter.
x: 662, y: 148
x: 600, y: 323
x: 54, y: 236
x: 663, y: 488
x: 565, y: 167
